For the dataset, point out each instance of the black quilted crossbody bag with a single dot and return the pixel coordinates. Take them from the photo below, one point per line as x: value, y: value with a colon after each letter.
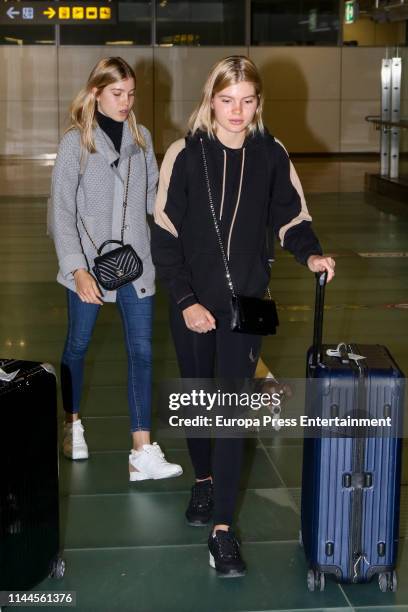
x: 119, y: 266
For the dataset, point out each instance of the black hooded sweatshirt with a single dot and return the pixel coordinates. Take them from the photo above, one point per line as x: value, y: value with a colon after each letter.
x: 254, y: 189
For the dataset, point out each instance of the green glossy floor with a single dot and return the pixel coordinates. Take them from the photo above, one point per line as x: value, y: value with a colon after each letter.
x: 127, y: 546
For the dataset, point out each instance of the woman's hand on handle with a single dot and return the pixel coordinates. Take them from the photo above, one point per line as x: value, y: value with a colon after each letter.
x: 87, y: 288
x: 198, y: 319
x: 319, y: 263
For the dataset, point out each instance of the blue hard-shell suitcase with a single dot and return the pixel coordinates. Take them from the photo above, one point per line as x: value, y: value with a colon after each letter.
x: 351, y: 476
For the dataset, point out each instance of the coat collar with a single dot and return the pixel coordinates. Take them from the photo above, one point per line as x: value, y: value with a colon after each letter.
x: 105, y: 147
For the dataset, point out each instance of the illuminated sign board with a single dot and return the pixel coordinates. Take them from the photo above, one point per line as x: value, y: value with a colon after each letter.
x: 35, y: 13
x: 350, y: 11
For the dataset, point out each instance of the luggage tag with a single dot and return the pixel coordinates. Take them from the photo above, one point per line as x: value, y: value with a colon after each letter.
x: 4, y: 377
x: 342, y: 352
x: 360, y: 558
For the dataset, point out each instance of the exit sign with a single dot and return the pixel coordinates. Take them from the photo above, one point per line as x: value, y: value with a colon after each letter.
x: 69, y: 12
x: 350, y: 11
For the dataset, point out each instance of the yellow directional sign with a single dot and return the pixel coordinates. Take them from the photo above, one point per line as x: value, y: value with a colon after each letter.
x: 78, y: 12
x: 50, y: 13
x: 64, y: 12
x: 105, y: 12
x: 91, y: 12
x: 75, y: 12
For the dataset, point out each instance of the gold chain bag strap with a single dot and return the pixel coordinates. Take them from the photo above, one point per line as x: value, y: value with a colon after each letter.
x: 249, y: 315
x: 121, y: 265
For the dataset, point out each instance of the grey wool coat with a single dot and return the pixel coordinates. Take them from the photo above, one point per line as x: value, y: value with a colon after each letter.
x: 97, y: 195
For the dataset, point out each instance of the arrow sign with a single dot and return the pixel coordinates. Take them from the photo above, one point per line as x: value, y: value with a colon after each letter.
x: 50, y: 12
x: 12, y: 13
x: 72, y: 12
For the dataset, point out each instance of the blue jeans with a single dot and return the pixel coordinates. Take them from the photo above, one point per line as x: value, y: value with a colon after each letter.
x: 136, y: 317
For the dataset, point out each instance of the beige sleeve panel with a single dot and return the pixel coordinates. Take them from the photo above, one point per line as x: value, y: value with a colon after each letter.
x: 304, y: 213
x: 166, y: 170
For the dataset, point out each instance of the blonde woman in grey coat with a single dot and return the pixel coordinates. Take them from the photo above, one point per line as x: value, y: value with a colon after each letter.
x: 102, y: 151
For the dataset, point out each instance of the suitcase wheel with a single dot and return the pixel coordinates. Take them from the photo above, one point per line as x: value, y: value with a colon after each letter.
x: 57, y: 569
x: 315, y: 580
x: 387, y: 581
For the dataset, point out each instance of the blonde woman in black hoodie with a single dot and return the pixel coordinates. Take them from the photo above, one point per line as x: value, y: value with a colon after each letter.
x: 253, y: 185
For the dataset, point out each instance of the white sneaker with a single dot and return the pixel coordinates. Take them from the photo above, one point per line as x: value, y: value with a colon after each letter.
x: 150, y: 463
x: 74, y: 445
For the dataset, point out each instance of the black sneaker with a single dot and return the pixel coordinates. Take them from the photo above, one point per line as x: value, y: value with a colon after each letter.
x: 200, y: 507
x: 225, y: 555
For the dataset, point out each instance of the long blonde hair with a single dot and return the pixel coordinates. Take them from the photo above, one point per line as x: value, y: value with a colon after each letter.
x: 82, y: 112
x: 228, y: 71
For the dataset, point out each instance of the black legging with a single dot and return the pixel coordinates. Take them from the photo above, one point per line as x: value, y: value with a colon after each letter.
x: 228, y: 355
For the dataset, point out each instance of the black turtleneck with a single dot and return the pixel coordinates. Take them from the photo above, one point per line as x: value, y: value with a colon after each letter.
x: 114, y: 129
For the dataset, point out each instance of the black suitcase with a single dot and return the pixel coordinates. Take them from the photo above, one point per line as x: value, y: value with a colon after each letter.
x: 351, y: 477
x: 29, y: 507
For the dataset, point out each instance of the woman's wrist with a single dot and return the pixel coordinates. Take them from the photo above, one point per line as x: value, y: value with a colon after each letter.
x: 311, y: 258
x: 78, y: 270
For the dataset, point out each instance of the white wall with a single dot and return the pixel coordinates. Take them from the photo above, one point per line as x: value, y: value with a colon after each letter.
x: 179, y: 75
x: 316, y: 98
x: 302, y: 91
x: 28, y: 99
x: 75, y: 64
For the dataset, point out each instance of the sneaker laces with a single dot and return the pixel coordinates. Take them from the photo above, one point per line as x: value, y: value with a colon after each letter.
x: 201, y: 494
x: 78, y: 431
x: 74, y: 427
x: 227, y: 544
x: 156, y: 450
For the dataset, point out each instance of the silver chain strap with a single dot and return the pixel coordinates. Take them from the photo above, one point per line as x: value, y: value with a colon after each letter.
x: 125, y: 202
x: 123, y: 213
x: 217, y: 229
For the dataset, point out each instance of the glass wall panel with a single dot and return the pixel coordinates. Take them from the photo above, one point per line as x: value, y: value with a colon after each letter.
x: 27, y: 35
x: 223, y: 23
x: 367, y: 31
x: 200, y: 22
x: 298, y: 22
x: 134, y: 27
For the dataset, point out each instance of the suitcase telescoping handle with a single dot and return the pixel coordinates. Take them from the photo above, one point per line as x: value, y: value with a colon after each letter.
x: 321, y: 279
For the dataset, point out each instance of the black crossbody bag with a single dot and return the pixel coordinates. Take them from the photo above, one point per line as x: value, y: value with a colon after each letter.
x: 249, y: 315
x: 119, y: 266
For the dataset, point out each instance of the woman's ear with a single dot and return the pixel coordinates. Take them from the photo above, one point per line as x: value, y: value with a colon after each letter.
x: 94, y: 91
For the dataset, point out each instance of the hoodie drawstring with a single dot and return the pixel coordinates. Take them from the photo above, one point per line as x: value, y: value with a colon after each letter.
x: 238, y: 199
x: 223, y: 183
